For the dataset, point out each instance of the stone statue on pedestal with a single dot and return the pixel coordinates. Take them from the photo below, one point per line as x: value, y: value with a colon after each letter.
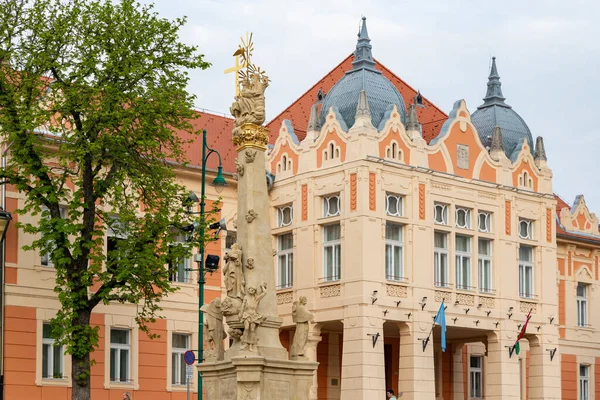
x: 301, y: 316
x: 250, y: 316
x: 215, y: 333
x: 233, y: 274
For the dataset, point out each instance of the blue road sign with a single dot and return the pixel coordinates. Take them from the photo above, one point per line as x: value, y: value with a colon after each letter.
x: 189, y: 357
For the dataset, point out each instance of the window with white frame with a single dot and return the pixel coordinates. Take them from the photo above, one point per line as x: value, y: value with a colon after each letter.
x: 284, y: 216
x: 285, y: 261
x: 46, y: 254
x: 485, y: 265
x: 463, y: 262
x: 463, y: 218
x: 120, y: 353
x: 484, y: 221
x: 331, y: 205
x: 393, y: 205
x: 582, y: 304
x: 52, y: 355
x: 526, y: 271
x: 179, y: 267
x: 440, y: 259
x: 179, y: 345
x: 440, y: 213
x: 525, y: 229
x: 116, y: 233
x: 584, y: 382
x: 476, y: 377
x: 332, y: 252
x: 394, y: 252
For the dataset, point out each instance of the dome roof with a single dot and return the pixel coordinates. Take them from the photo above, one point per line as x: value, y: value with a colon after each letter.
x: 381, y: 93
x: 494, y: 112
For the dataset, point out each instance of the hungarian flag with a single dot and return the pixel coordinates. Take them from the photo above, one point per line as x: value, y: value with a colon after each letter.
x: 522, y: 333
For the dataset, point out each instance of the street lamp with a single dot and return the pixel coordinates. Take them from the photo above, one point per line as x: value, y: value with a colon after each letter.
x: 219, y: 183
x: 5, y: 218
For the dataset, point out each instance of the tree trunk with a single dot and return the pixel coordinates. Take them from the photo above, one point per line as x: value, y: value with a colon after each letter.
x: 80, y: 370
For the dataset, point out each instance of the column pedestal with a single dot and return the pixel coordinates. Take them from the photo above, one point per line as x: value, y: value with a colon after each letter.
x: 502, y: 375
x: 544, y: 375
x: 314, y: 338
x: 417, y: 373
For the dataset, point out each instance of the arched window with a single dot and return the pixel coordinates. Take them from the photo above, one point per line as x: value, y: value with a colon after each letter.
x: 331, y: 149
x: 284, y: 162
x: 337, y: 153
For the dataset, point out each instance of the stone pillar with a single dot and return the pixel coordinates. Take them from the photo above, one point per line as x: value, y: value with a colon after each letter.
x: 417, y: 372
x: 458, y: 384
x: 333, y: 366
x: 502, y: 375
x: 363, y: 365
x: 311, y: 354
x: 544, y: 375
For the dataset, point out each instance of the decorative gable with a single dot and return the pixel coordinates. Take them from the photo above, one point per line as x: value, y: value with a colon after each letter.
x: 578, y: 218
x: 283, y: 159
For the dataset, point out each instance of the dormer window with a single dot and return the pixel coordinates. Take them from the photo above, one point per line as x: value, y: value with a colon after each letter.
x: 463, y: 218
x: 331, y: 205
x: 284, y: 216
x: 393, y: 205
x: 440, y: 212
x: 525, y: 229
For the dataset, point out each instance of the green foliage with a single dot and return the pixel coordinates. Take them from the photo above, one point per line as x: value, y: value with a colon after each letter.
x: 91, y: 95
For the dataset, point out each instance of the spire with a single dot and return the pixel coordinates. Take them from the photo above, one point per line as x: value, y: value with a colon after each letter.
x: 314, y: 122
x: 497, y: 147
x: 363, y: 109
x: 540, y: 151
x: 494, y: 95
x: 412, y: 123
x: 362, y: 56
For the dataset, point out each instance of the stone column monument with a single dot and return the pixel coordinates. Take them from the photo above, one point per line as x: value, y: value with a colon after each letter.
x: 256, y: 366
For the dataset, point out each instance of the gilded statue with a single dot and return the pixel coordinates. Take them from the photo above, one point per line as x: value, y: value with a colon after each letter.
x: 234, y: 276
x: 301, y: 316
x: 250, y: 316
x: 215, y: 332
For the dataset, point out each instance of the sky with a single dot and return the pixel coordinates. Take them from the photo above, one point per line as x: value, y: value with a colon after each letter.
x: 548, y: 58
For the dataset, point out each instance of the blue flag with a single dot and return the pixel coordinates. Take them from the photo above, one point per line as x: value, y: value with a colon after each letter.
x: 440, y: 319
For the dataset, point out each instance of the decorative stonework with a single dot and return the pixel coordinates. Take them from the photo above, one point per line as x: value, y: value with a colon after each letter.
x: 569, y: 262
x: 396, y: 291
x: 372, y: 192
x: 465, y: 299
x: 252, y: 135
x: 548, y: 225
x: 285, y: 297
x: 441, y: 186
x: 250, y: 156
x: 251, y: 215
x: 278, y: 389
x: 596, y: 267
x: 421, y: 201
x: 353, y: 195
x: 487, y: 302
x: 487, y: 195
x: 440, y: 296
x: 304, y: 202
x: 525, y: 306
x: 507, y: 218
x: 578, y: 218
x: 462, y: 156
x: 330, y: 291
x: 239, y: 168
x: 249, y: 263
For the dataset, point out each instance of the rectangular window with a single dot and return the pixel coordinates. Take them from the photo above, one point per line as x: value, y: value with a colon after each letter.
x: 440, y: 259
x: 485, y: 265
x: 230, y: 239
x: 52, y: 356
x: 526, y: 271
x: 181, y: 344
x: 179, y: 268
x: 46, y: 259
x: 116, y: 233
x: 285, y: 261
x: 584, y: 382
x: 120, y: 351
x: 440, y: 213
x: 476, y: 377
x: 394, y: 265
x: 582, y: 304
x: 393, y: 205
x: 284, y: 216
x: 331, y: 205
x: 463, y: 218
x: 525, y: 229
x: 463, y: 262
x: 332, y: 252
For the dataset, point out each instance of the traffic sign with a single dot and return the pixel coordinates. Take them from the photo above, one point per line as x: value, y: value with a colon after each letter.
x: 189, y: 372
x: 189, y: 357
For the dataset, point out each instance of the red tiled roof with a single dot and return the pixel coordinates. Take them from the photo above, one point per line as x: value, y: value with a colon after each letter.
x: 561, y: 231
x: 430, y: 117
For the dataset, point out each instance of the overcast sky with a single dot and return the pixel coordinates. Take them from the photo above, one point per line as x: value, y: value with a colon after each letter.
x: 548, y: 55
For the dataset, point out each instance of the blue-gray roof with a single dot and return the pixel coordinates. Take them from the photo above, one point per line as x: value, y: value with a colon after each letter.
x: 381, y: 93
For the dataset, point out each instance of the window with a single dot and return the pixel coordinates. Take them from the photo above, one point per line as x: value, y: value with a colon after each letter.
x: 485, y: 265
x: 393, y: 205
x: 230, y: 239
x: 394, y: 265
x: 463, y: 218
x: 331, y: 205
x: 440, y: 212
x: 120, y: 351
x: 52, y: 356
x: 476, y: 377
x: 584, y: 382
x: 179, y: 268
x: 116, y: 232
x: 284, y: 216
x: 485, y: 221
x: 526, y: 271
x: 332, y: 252
x: 46, y: 258
x: 180, y: 344
x: 440, y: 256
x: 525, y: 229
x: 582, y: 304
x: 285, y: 261
x: 463, y: 262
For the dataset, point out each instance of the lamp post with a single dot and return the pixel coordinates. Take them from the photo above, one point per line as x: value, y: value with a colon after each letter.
x: 5, y: 218
x: 219, y: 182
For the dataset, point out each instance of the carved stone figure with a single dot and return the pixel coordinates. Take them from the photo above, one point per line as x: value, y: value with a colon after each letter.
x: 215, y: 333
x: 251, y: 215
x: 234, y: 276
x: 301, y: 316
x: 250, y: 263
x: 250, y: 156
x: 251, y: 318
x: 239, y: 167
x: 249, y: 105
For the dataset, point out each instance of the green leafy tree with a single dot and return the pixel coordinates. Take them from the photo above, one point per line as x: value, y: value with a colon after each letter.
x: 92, y: 94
